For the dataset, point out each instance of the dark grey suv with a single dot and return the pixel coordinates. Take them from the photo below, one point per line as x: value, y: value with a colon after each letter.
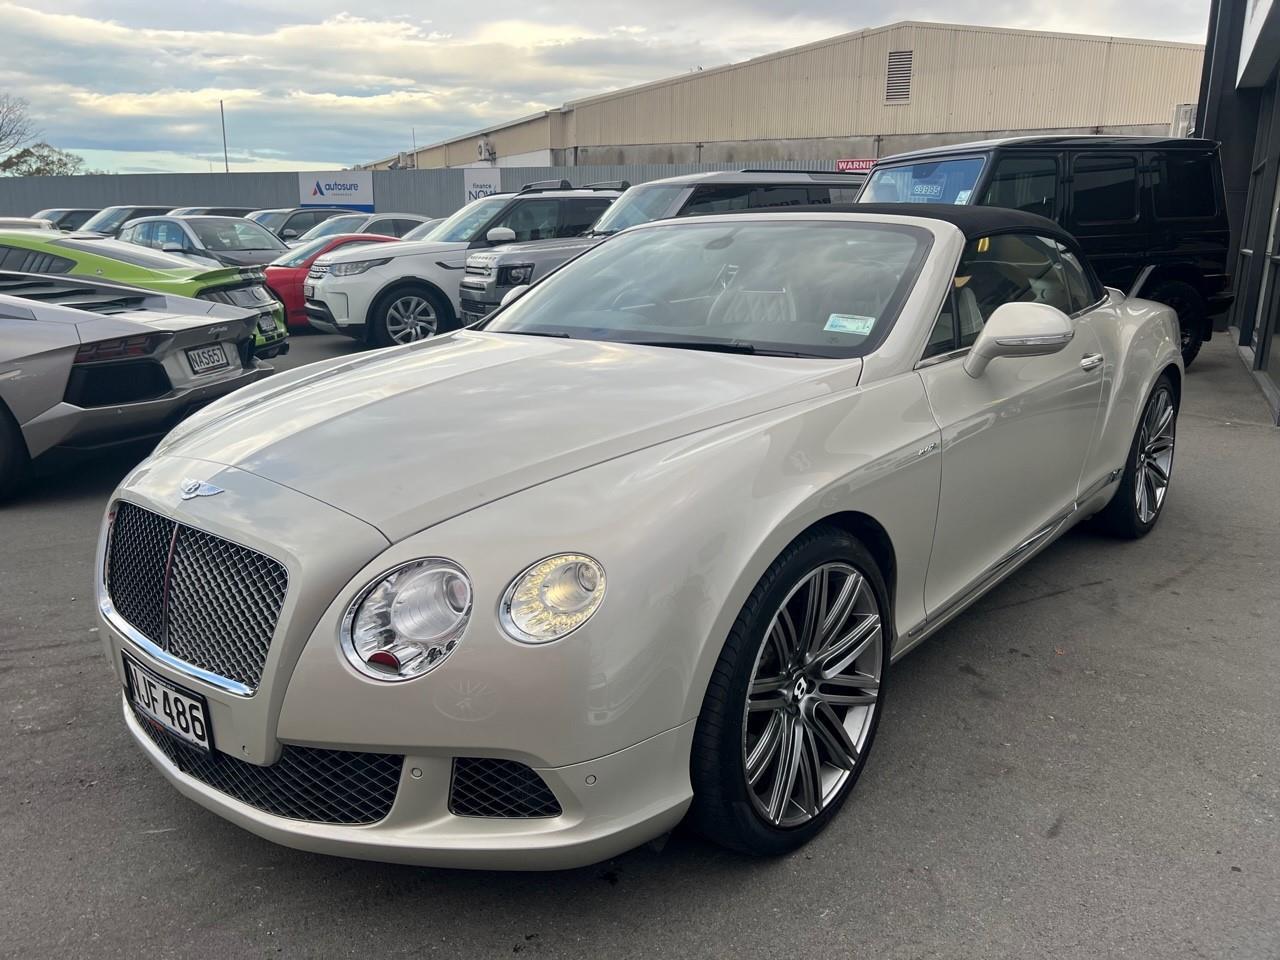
x: 491, y: 274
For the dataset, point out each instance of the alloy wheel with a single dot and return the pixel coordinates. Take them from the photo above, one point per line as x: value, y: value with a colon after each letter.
x: 1155, y: 455
x: 411, y: 318
x: 813, y: 694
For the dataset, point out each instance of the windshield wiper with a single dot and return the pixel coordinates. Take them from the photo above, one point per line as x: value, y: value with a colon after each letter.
x: 720, y: 346
x: 535, y: 333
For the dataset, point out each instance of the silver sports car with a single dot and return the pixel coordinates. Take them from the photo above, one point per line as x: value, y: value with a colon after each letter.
x: 643, y: 544
x: 84, y: 365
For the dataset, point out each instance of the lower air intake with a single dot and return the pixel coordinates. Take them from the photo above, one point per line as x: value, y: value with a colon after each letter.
x: 306, y: 783
x: 483, y: 787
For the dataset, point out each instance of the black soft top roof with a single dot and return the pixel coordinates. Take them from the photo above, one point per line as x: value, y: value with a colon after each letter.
x: 973, y: 222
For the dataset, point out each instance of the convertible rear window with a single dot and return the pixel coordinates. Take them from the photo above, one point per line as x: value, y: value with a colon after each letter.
x: 124, y: 252
x: 806, y: 288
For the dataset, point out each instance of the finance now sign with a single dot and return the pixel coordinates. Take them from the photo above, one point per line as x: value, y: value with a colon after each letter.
x: 352, y: 189
x: 860, y: 165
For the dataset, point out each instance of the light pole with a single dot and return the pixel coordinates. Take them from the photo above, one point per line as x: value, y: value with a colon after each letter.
x: 226, y: 164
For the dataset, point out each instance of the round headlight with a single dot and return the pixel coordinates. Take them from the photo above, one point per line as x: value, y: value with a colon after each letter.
x: 406, y: 623
x: 552, y: 598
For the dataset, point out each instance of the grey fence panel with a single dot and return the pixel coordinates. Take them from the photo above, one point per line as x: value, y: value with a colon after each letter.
x: 431, y: 192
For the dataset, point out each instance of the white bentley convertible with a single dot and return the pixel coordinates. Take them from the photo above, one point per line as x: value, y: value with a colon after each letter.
x: 644, y: 544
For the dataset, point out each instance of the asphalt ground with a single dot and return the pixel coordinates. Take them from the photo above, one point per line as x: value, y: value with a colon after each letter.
x: 1086, y: 764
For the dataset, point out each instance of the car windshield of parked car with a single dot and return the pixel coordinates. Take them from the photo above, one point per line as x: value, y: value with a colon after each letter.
x: 340, y: 224
x: 798, y: 288
x: 105, y: 221
x: 637, y: 205
x: 422, y: 230
x: 938, y: 181
x: 271, y: 219
x: 465, y: 225
x: 230, y: 233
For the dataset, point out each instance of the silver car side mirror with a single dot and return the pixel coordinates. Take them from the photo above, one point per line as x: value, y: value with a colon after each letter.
x: 514, y: 294
x: 500, y: 235
x: 1019, y: 330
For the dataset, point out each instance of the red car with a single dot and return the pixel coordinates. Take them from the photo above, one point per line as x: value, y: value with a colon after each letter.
x: 285, y: 276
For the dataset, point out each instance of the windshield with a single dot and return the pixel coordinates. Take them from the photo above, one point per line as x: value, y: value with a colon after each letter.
x: 217, y: 233
x: 808, y: 288
x: 422, y: 230
x: 105, y: 221
x: 938, y: 181
x: 464, y: 225
x: 328, y: 228
x: 271, y: 219
x: 637, y: 205
x: 299, y: 255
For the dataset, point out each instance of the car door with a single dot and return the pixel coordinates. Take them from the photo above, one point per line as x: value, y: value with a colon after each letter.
x: 1014, y: 440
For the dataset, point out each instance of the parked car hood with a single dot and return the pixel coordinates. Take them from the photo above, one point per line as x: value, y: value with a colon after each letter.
x: 565, y: 246
x: 244, y: 258
x: 401, y: 248
x: 407, y: 437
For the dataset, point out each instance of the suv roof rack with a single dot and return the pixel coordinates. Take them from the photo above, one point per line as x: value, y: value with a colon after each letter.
x: 607, y: 185
x: 540, y: 185
x: 812, y: 173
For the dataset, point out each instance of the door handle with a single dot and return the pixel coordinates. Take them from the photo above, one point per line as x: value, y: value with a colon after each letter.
x: 1091, y: 360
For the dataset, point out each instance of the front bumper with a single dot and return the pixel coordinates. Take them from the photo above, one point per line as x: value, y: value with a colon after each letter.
x: 321, y: 318
x: 610, y: 805
x: 542, y: 708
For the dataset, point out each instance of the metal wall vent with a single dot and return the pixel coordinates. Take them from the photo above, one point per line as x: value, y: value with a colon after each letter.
x: 897, y: 83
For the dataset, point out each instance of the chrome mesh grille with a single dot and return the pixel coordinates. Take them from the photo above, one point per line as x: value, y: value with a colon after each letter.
x: 206, y: 600
x: 306, y: 783
x: 484, y: 787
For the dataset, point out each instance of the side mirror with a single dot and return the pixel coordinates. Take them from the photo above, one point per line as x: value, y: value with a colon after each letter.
x: 1019, y: 330
x: 500, y: 235
x: 172, y: 247
x: 288, y: 233
x: 514, y: 294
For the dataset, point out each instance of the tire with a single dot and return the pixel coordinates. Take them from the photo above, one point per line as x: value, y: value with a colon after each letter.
x: 15, y: 464
x: 792, y: 705
x: 408, y: 314
x: 1189, y: 306
x: 1126, y: 516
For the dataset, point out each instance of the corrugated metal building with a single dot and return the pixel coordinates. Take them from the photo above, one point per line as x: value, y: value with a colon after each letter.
x: 864, y: 94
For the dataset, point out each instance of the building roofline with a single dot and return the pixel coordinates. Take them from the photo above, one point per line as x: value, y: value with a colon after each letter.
x: 796, y: 51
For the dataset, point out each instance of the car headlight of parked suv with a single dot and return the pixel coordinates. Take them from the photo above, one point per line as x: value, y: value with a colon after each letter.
x: 515, y: 275
x: 355, y: 267
x: 404, y: 624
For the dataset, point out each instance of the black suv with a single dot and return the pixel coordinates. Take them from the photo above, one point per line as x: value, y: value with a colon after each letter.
x: 1149, y: 212
x: 490, y: 275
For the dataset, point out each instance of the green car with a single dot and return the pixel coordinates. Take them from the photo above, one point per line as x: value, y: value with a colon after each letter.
x: 82, y: 255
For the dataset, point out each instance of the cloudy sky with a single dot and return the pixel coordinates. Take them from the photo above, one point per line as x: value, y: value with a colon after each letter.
x: 134, y: 86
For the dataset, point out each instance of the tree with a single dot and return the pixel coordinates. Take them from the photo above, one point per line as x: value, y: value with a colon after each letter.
x: 16, y: 129
x: 41, y: 160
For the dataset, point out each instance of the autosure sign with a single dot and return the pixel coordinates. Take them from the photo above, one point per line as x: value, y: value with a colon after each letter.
x: 337, y: 188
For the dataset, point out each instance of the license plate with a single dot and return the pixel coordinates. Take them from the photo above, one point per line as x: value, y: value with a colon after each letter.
x: 181, y: 712
x: 206, y: 358
x: 308, y: 290
x: 267, y: 324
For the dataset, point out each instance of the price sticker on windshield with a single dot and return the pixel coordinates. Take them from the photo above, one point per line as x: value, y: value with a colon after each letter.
x: 850, y: 323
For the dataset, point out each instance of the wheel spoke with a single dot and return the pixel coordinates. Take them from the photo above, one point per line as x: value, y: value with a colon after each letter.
x: 830, y: 731
x: 856, y: 690
x: 767, y: 694
x: 1164, y: 416
x: 1155, y: 469
x: 850, y: 647
x: 764, y: 749
x: 809, y: 781
x: 784, y: 781
x: 840, y: 609
x: 782, y: 633
x: 815, y: 605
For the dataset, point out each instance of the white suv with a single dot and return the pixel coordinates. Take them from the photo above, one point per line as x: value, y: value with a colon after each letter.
x: 401, y: 292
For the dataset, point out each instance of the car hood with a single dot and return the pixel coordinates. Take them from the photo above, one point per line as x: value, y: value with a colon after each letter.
x: 244, y: 258
x: 402, y: 248
x: 512, y: 252
x: 407, y: 437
